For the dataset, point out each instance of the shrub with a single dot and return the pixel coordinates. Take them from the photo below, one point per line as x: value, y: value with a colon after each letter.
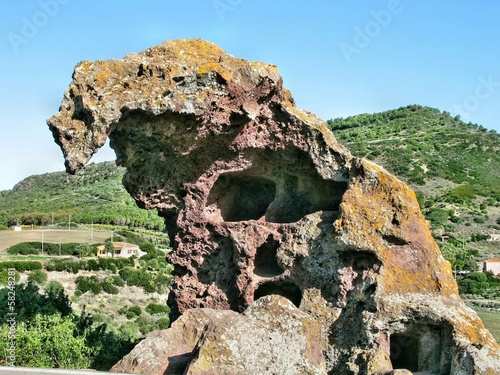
x: 468, y: 286
x: 108, y: 287
x: 129, y: 331
x: 156, y: 309
x: 145, y: 325
x: 163, y: 323
x: 437, y: 216
x: 114, y: 264
x: 25, y: 248
x: 92, y: 265
x: 138, y: 278
x: 136, y: 310
x: 52, y: 339
x: 54, y: 287
x: 38, y: 276
x: 4, y: 277
x: 460, y: 194
x: 85, y: 283
x: 21, y: 266
x: 117, y: 280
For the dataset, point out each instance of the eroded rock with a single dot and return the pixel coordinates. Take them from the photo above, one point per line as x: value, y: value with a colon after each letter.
x: 260, y: 199
x: 271, y: 337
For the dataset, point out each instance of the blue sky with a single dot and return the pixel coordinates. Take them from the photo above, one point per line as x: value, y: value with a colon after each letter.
x: 338, y: 57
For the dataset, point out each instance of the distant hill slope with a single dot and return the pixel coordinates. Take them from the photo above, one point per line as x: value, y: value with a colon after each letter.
x: 95, y: 194
x: 454, y: 167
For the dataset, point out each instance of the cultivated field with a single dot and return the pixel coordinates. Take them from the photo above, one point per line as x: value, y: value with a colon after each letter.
x: 491, y: 322
x: 9, y: 237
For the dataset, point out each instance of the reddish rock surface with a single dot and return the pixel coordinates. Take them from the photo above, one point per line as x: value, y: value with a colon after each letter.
x: 260, y: 199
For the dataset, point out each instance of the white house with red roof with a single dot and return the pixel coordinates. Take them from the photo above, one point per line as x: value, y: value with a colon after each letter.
x: 492, y: 265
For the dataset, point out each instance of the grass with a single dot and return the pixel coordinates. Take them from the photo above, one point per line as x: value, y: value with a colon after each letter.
x: 9, y: 238
x: 491, y: 322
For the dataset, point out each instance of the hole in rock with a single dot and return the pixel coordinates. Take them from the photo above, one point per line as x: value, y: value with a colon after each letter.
x: 404, y: 352
x: 298, y: 196
x: 285, y: 289
x: 282, y: 198
x: 266, y: 262
x: 241, y: 198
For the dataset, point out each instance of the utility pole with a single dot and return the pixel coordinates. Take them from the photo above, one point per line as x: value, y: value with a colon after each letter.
x: 69, y: 222
x: 42, y: 242
x: 60, y: 246
x: 92, y: 230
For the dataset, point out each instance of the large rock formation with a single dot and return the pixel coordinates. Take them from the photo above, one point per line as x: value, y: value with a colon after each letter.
x: 260, y: 199
x: 271, y: 337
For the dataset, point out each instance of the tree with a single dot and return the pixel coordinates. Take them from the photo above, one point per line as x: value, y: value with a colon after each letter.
x: 48, y: 341
x: 149, y: 248
x: 109, y: 247
x: 30, y: 302
x: 460, y: 256
x: 83, y: 249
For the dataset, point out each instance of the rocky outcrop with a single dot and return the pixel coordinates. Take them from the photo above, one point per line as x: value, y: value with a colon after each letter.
x: 260, y: 199
x: 271, y: 337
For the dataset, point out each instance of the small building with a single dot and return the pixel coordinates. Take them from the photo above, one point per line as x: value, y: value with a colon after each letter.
x: 492, y: 265
x: 17, y: 228
x: 122, y: 250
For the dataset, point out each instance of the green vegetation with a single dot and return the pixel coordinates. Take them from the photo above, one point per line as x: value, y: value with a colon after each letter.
x: 480, y: 284
x: 35, y: 248
x: 452, y: 166
x: 50, y: 335
x: 48, y: 341
x: 420, y: 143
x: 48, y: 326
x: 38, y: 277
x: 94, y: 195
x: 71, y: 265
x: 29, y: 302
x: 492, y: 323
x: 21, y: 266
x: 155, y: 309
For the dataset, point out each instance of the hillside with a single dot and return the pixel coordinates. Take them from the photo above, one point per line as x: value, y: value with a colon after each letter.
x: 95, y: 194
x: 454, y: 167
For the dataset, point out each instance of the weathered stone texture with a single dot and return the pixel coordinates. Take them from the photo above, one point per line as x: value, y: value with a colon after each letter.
x: 260, y: 199
x: 270, y: 337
